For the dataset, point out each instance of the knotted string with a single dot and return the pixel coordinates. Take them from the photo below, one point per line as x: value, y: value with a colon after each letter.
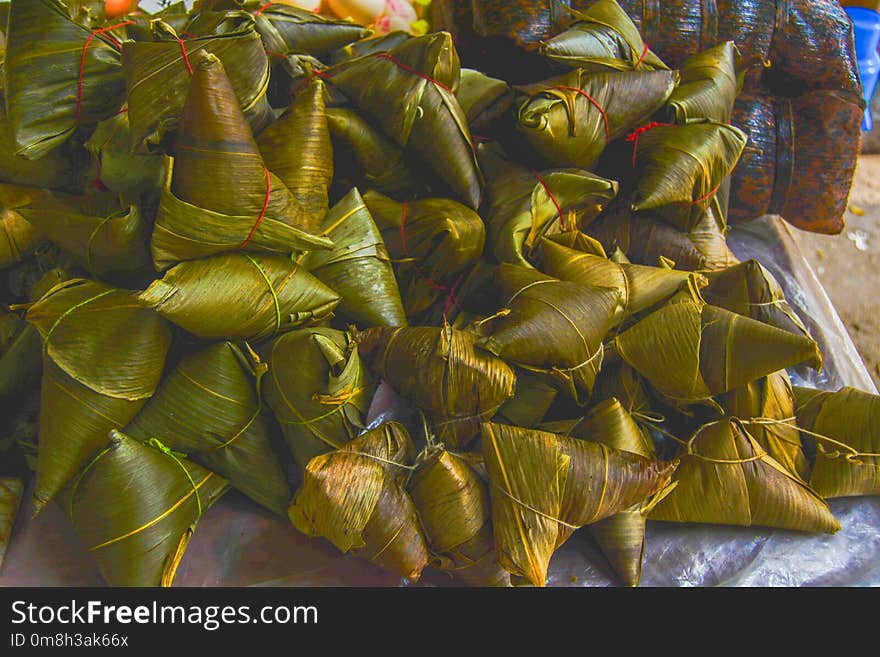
x: 323, y: 75
x: 760, y: 453
x: 595, y: 104
x: 633, y: 137
x: 94, y: 233
x: 262, y: 212
x: 600, y: 352
x: 851, y: 456
x: 410, y: 69
x: 775, y: 302
x: 450, y: 291
x: 82, y: 61
x: 381, y: 460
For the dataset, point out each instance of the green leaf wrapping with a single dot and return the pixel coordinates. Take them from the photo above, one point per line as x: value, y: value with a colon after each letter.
x: 220, y: 194
x: 129, y: 174
x: 358, y: 267
x: 543, y: 486
x: 621, y: 536
x: 769, y: 402
x: 681, y: 169
x: 646, y: 238
x: 157, y: 78
x: 104, y: 355
x: 287, y: 29
x: 108, y: 241
x: 11, y: 492
x: 425, y: 118
x: 56, y: 169
x: 354, y: 497
x: 845, y: 426
x: 749, y: 289
x: 483, y: 99
x: 708, y: 87
x: 570, y: 119
x: 318, y: 388
x: 366, y: 155
x: 209, y: 408
x: 690, y: 351
x: 432, y: 241
x: 601, y: 38
x: 136, y: 507
x: 525, y: 205
x: 47, y: 56
x: 239, y: 296
x: 297, y: 148
x: 455, y: 511
x: 726, y: 478
x: 18, y: 236
x: 579, y: 318
x: 640, y: 287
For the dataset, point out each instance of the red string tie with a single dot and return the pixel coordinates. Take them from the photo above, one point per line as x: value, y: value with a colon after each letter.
x: 305, y: 83
x: 410, y: 69
x: 430, y: 281
x: 450, y: 299
x: 552, y: 198
x: 638, y: 132
x: 262, y: 212
x: 707, y: 196
x: 642, y: 58
x: 82, y: 61
x: 263, y: 8
x: 185, y: 56
x: 595, y: 104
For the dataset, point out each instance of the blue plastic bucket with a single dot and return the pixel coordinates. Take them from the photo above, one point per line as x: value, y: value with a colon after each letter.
x: 866, y: 24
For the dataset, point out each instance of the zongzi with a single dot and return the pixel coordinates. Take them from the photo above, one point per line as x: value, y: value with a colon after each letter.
x: 209, y: 408
x: 845, y: 426
x: 104, y: 354
x: 136, y: 506
x: 318, y: 388
x: 455, y: 512
x: 354, y: 498
x: 725, y: 477
x: 236, y: 295
x: 442, y: 372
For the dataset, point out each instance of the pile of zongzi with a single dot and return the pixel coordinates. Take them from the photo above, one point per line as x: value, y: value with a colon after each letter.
x: 204, y: 285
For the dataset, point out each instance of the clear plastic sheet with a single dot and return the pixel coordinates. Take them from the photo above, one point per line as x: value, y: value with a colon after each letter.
x: 238, y: 544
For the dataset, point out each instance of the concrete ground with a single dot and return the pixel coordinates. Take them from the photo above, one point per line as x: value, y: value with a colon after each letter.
x: 849, y: 264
